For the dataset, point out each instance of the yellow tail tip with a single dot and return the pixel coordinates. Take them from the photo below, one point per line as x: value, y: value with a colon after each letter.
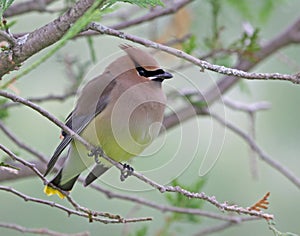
x: 51, y: 191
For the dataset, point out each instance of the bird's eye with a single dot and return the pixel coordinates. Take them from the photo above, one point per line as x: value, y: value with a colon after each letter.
x: 141, y: 71
x: 155, y: 75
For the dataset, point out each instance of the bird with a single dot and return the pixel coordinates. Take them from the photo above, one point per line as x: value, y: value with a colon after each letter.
x: 121, y: 111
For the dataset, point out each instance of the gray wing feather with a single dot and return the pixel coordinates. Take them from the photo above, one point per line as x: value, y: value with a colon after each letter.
x: 67, y: 139
x: 98, y: 170
x: 78, y: 123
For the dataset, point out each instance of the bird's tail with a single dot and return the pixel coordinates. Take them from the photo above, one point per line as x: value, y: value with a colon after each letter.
x: 48, y: 190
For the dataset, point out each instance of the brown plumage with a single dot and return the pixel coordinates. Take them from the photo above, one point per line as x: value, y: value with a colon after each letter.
x: 121, y: 111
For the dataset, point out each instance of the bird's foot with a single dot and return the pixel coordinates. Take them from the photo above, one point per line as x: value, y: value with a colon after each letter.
x: 126, y: 172
x: 96, y: 152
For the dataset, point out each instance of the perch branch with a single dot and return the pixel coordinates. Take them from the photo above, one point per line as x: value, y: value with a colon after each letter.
x: 204, y: 65
x: 92, y: 215
x: 69, y: 211
x: 289, y: 36
x: 222, y: 206
x: 164, y: 208
x: 81, y: 211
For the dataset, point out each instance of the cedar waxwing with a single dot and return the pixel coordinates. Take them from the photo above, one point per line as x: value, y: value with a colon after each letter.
x: 120, y: 111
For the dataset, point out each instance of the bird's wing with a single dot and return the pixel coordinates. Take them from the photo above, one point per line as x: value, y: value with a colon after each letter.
x: 78, y: 122
x: 98, y: 170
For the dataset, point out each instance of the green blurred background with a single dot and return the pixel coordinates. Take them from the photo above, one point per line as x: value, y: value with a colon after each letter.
x: 199, y: 139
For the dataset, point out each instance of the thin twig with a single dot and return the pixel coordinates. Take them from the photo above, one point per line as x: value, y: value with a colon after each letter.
x: 251, y: 110
x: 47, y: 115
x: 204, y: 65
x: 211, y: 199
x: 25, y: 163
x: 236, y: 105
x: 222, y: 206
x: 263, y: 156
x: 26, y: 7
x: 288, y: 36
x: 92, y: 212
x: 122, y: 14
x: 40, y: 231
x: 252, y: 155
x: 70, y: 211
x: 173, y: 7
x: 22, y: 145
x: 155, y: 13
x: 92, y: 215
x: 9, y: 38
x: 21, y: 172
x: 47, y: 98
x: 45, y: 36
x: 165, y: 208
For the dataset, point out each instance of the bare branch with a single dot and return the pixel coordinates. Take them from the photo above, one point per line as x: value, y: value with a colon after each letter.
x: 28, y: 6
x: 263, y: 156
x: 289, y: 36
x: 9, y: 38
x: 10, y: 60
x: 202, y: 64
x: 50, y: 97
x: 43, y: 37
x: 22, y: 145
x: 251, y: 110
x: 47, y: 115
x: 158, y: 11
x: 222, y: 206
x: 41, y: 231
x: 25, y: 163
x: 165, y: 208
x: 22, y: 172
x: 155, y: 13
x: 252, y: 155
x: 80, y: 211
x: 123, y: 13
x: 236, y: 105
x: 89, y: 216
x: 211, y: 199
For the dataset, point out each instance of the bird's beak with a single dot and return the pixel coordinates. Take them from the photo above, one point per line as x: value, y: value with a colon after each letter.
x: 165, y: 75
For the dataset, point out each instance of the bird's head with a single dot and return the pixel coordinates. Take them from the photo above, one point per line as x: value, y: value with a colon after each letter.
x: 141, y: 63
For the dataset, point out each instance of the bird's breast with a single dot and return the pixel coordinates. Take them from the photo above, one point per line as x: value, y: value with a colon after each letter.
x: 129, y: 125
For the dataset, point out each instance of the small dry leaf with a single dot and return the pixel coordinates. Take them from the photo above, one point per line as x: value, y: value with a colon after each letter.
x: 261, y: 204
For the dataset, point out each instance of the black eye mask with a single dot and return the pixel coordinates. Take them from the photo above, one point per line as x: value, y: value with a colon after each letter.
x: 149, y: 73
x: 158, y: 75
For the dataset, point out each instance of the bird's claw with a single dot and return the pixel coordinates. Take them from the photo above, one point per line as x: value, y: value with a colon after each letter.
x: 126, y: 172
x: 96, y: 153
